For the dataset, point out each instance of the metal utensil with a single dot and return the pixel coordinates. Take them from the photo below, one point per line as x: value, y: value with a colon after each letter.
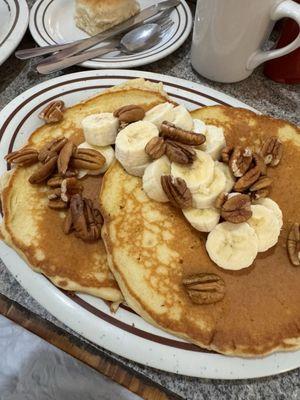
x: 68, y: 49
x: 135, y: 41
x: 42, y: 51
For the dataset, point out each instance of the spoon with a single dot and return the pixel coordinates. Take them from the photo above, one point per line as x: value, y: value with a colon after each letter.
x: 135, y: 41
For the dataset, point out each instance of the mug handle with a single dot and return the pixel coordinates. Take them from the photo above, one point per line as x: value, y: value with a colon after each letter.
x: 287, y: 8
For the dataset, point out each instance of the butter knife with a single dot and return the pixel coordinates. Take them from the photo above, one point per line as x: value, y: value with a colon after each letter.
x: 69, y: 49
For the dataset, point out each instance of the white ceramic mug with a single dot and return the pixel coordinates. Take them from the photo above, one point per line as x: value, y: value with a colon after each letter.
x: 229, y: 34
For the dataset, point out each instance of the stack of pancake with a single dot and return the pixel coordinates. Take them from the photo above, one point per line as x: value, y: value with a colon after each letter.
x: 148, y: 247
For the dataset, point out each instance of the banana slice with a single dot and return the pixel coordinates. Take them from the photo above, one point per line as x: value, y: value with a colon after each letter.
x: 151, y: 178
x: 203, y: 220
x: 266, y: 226
x: 100, y: 129
x: 131, y: 142
x: 136, y: 170
x: 196, y: 175
x: 107, y: 152
x: 160, y: 113
x: 182, y: 118
x: 271, y: 205
x: 215, y: 141
x: 206, y: 196
x: 232, y: 246
x: 230, y: 181
x: 199, y: 126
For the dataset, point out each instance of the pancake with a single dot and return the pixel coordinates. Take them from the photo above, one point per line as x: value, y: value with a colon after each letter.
x: 151, y: 247
x: 35, y: 231
x: 36, y: 234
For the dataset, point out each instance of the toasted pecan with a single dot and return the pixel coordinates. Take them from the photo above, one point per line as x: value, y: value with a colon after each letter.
x: 23, y: 157
x: 176, y: 191
x: 172, y: 132
x: 271, y: 151
x: 156, y: 147
x: 130, y: 113
x: 204, y: 288
x: 53, y: 112
x: 237, y: 209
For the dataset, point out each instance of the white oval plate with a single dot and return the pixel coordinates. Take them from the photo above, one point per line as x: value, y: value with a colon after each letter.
x: 14, y: 16
x: 51, y: 22
x: 123, y: 333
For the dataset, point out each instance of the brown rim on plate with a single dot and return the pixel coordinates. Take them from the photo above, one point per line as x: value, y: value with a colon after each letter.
x: 15, y: 20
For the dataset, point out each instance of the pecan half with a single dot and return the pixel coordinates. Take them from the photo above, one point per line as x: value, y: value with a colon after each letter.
x: 64, y: 157
x: 87, y: 159
x: 176, y: 191
x: 55, y: 181
x: 293, y: 244
x: 204, y: 288
x: 53, y: 112
x: 247, y: 180
x: 23, y: 157
x: 271, y: 151
x: 94, y: 220
x: 156, y: 147
x: 226, y: 154
x: 170, y: 131
x: 52, y: 147
x: 262, y: 183
x: 179, y: 152
x: 85, y: 220
x: 44, y: 171
x: 131, y: 113
x: 240, y: 161
x: 237, y: 209
x: 64, y: 189
x: 259, y: 162
x: 69, y: 187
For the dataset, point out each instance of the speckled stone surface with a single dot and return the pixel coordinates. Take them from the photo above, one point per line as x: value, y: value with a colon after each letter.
x: 281, y: 101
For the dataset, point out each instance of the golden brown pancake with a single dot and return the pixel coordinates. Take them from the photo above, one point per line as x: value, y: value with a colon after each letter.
x: 151, y: 247
x: 35, y: 231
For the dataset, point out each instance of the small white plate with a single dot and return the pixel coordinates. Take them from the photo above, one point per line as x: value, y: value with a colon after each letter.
x: 52, y: 22
x: 124, y: 333
x: 14, y: 16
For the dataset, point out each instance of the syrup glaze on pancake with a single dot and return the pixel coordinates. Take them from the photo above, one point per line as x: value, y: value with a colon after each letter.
x: 151, y: 247
x: 35, y: 231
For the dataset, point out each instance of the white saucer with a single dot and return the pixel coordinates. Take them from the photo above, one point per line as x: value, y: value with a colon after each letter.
x: 51, y: 22
x: 13, y: 24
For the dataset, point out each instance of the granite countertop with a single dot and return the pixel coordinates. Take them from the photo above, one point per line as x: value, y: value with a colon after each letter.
x: 278, y: 100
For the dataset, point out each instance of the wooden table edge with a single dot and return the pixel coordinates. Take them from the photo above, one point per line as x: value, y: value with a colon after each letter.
x: 85, y: 352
